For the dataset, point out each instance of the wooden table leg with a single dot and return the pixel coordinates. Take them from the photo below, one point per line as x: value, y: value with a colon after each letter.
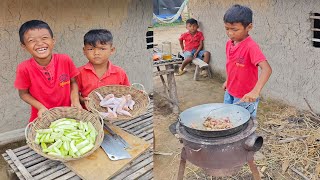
x: 254, y: 170
x: 172, y: 89
x: 163, y: 82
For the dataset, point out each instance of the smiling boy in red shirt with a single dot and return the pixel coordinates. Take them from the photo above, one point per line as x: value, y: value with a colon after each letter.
x: 46, y: 80
x: 243, y: 59
x: 99, y: 71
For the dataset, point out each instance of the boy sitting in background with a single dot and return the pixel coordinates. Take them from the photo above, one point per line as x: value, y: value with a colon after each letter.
x: 46, y: 80
x: 191, y: 43
x: 99, y: 71
x: 243, y: 58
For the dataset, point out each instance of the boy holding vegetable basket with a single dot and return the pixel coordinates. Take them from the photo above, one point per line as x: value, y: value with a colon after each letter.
x: 46, y: 80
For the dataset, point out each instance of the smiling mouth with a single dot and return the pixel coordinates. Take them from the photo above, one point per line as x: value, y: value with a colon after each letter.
x: 41, y: 50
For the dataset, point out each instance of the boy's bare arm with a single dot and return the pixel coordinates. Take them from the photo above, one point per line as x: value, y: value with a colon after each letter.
x: 224, y: 85
x: 75, y: 101
x: 181, y: 45
x: 263, y: 78
x: 26, y: 97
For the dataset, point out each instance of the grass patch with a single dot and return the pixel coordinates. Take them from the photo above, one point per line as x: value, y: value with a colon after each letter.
x: 156, y: 25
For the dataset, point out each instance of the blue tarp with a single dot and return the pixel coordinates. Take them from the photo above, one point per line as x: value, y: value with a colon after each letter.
x: 166, y: 7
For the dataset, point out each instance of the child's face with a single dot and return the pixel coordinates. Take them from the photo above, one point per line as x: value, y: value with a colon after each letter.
x: 192, y: 28
x: 236, y: 31
x: 98, y: 55
x: 39, y: 43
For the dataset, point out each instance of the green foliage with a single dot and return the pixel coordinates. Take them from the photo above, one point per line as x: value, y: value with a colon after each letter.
x: 168, y: 24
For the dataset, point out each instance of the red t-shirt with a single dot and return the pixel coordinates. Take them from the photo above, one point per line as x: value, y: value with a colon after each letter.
x: 50, y: 84
x: 191, y: 41
x: 88, y: 80
x: 242, y: 66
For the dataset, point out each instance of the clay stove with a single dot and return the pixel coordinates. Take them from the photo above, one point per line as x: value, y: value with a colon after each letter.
x: 220, y: 156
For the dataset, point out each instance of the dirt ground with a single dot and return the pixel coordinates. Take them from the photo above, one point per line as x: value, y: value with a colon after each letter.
x: 192, y: 93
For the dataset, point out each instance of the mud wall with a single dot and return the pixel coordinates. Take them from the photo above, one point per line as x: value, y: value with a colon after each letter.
x: 283, y: 31
x: 128, y: 20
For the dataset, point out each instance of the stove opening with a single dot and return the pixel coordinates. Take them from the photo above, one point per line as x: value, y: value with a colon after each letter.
x: 258, y: 144
x: 254, y: 143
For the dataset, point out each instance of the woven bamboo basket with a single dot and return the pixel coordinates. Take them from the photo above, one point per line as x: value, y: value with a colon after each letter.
x: 63, y: 112
x: 140, y: 97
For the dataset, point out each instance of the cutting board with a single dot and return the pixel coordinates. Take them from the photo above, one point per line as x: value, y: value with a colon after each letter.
x: 98, y: 166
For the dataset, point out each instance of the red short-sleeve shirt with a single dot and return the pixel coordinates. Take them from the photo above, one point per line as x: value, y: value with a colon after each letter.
x: 50, y: 84
x: 242, y: 66
x: 88, y: 80
x: 191, y: 41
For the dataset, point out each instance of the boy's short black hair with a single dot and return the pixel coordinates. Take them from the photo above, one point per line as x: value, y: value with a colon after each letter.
x: 33, y: 24
x: 192, y: 21
x: 238, y: 14
x: 94, y: 36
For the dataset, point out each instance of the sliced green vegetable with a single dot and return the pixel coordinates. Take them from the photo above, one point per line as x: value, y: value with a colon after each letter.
x: 43, y: 145
x: 82, y: 144
x: 86, y: 149
x: 67, y: 137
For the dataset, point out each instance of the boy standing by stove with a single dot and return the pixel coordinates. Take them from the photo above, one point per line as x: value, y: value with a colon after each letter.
x: 243, y: 58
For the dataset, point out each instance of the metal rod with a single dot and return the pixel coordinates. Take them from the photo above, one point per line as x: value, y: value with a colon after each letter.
x: 254, y: 170
x: 182, y: 165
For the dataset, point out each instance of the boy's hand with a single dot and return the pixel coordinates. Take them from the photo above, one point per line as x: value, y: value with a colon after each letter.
x: 182, y: 53
x: 77, y: 105
x: 224, y: 86
x: 195, y: 55
x: 250, y: 97
x: 85, y: 100
x: 41, y: 111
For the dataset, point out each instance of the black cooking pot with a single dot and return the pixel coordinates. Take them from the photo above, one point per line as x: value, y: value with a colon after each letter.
x: 193, y: 118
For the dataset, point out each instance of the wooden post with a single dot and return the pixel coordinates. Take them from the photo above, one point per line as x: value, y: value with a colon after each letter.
x: 163, y: 82
x: 196, y: 73
x: 209, y: 72
x: 172, y: 89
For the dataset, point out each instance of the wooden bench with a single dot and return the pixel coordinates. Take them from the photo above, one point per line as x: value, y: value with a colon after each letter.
x: 200, y: 64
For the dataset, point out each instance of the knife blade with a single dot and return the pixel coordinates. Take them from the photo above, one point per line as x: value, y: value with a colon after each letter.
x: 114, y: 150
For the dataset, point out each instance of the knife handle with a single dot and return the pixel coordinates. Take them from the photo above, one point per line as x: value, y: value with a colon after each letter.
x: 109, y: 129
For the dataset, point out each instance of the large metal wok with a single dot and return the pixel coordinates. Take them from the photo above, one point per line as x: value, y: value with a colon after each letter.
x: 193, y: 118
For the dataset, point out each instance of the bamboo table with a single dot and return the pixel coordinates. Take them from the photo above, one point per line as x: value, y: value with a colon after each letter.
x: 170, y: 88
x: 27, y: 164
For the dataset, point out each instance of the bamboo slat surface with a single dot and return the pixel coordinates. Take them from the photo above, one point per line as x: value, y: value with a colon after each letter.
x: 27, y: 164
